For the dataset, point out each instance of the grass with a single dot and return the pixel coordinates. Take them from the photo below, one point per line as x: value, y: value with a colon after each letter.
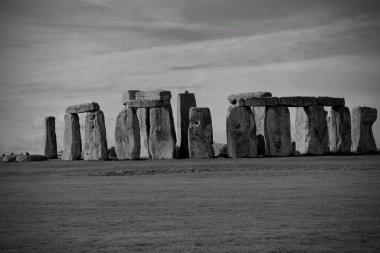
x: 294, y: 204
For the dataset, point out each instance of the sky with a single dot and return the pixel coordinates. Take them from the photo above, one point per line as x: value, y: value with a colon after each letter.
x: 56, y: 53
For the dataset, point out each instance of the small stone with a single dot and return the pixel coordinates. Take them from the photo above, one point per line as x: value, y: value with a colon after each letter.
x: 235, y: 97
x: 95, y: 147
x: 154, y: 95
x: 127, y: 135
x: 339, y: 125
x: 72, y: 142
x: 330, y: 101
x: 30, y: 158
x: 50, y: 138
x: 298, y: 101
x: 362, y: 135
x: 220, y: 150
x: 144, y: 123
x: 253, y: 102
x: 129, y: 95
x: 9, y: 158
x: 148, y: 103
x: 241, y: 132
x: 89, y: 107
x: 200, y: 133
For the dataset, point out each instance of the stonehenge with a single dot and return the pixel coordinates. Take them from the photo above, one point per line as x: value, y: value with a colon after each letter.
x: 127, y: 135
x: 362, y: 135
x: 339, y: 128
x: 50, y: 138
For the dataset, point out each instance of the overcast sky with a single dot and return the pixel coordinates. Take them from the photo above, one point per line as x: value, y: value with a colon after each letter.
x: 55, y: 53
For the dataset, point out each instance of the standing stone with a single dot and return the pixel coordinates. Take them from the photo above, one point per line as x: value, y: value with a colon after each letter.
x: 277, y: 136
x: 339, y: 128
x: 259, y: 113
x: 241, y: 132
x: 95, y: 147
x: 50, y: 138
x: 200, y: 133
x: 72, y: 142
x: 143, y: 118
x: 311, y: 133
x: 185, y: 102
x: 362, y: 135
x: 162, y: 138
x: 127, y: 135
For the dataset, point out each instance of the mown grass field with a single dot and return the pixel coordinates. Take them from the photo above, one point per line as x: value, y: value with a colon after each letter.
x: 294, y: 204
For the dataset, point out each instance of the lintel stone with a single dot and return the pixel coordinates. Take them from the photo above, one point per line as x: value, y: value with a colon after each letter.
x: 88, y: 107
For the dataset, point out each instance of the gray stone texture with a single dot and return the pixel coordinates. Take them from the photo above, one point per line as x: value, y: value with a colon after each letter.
x: 144, y: 123
x: 129, y: 95
x: 72, y: 143
x: 184, y: 102
x: 339, y: 128
x: 95, y: 147
x: 311, y: 132
x: 241, y: 132
x: 148, y: 103
x: 30, y: 158
x: 89, y: 107
x: 200, y: 133
x: 50, y: 138
x: 154, y: 95
x: 278, y: 140
x: 362, y: 135
x: 253, y: 102
x: 235, y: 97
x: 330, y: 101
x: 162, y: 137
x: 127, y: 135
x: 9, y: 158
x: 259, y: 113
x: 298, y: 101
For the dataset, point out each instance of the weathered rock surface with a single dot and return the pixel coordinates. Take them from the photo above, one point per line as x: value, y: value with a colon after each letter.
x: 162, y: 137
x: 95, y: 147
x: 220, y: 150
x: 311, y: 132
x: 50, y: 138
x: 89, y: 107
x: 298, y: 101
x: 330, y: 101
x: 144, y: 123
x: 278, y: 140
x: 235, y: 97
x: 253, y: 102
x: 148, y: 103
x: 154, y: 95
x: 72, y: 143
x: 241, y: 132
x: 129, y: 95
x: 362, y: 135
x: 259, y: 113
x: 184, y: 102
x: 127, y: 135
x: 339, y: 128
x: 112, y: 152
x: 9, y: 158
x: 200, y: 133
x: 30, y: 158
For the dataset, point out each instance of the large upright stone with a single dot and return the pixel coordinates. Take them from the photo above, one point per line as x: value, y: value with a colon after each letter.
x: 72, y: 142
x: 241, y: 132
x: 89, y: 107
x: 162, y: 138
x: 185, y: 102
x: 235, y: 97
x: 50, y: 138
x: 95, y: 147
x: 362, y: 135
x: 259, y: 113
x: 127, y: 135
x: 143, y: 117
x: 278, y: 140
x: 339, y: 128
x: 200, y: 133
x: 311, y: 133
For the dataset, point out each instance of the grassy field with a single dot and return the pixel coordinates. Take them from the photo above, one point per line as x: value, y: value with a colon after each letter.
x: 294, y: 204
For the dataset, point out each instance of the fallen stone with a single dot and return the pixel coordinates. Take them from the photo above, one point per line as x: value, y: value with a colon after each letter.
x: 253, y: 102
x: 143, y: 117
x: 95, y: 147
x: 200, y: 133
x: 30, y: 158
x: 184, y: 102
x: 148, y: 103
x: 235, y: 97
x: 220, y: 150
x: 89, y: 107
x: 9, y: 158
x: 241, y: 132
x: 129, y: 95
x: 50, y: 138
x: 162, y: 137
x: 362, y: 135
x: 298, y: 101
x: 278, y: 140
x: 127, y: 135
x: 259, y: 113
x: 154, y: 95
x: 72, y: 142
x: 330, y: 101
x: 339, y: 128
x: 311, y: 133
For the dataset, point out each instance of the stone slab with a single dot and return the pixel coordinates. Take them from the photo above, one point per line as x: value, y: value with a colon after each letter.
x: 331, y: 101
x: 127, y: 135
x: 89, y: 107
x: 153, y: 95
x: 72, y: 142
x: 235, y: 97
x: 339, y: 126
x: 129, y: 95
x: 362, y: 119
x: 148, y: 103
x: 298, y: 101
x: 253, y: 102
x: 95, y: 147
x: 50, y: 138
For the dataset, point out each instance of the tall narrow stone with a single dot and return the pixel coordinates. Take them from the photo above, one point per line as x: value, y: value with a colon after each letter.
x: 50, y: 138
x: 362, y: 135
x: 185, y: 102
x: 311, y: 133
x: 162, y: 138
x: 339, y: 127
x: 143, y: 117
x: 241, y: 132
x: 278, y: 140
x: 127, y: 135
x: 259, y: 113
x: 72, y: 142
x: 95, y: 147
x: 200, y: 133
